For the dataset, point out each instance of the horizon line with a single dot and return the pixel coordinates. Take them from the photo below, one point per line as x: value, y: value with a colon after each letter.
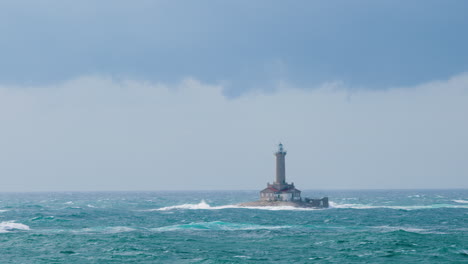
x: 236, y: 190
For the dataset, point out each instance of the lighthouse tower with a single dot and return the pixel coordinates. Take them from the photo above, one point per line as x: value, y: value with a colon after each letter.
x: 280, y: 166
x: 280, y: 190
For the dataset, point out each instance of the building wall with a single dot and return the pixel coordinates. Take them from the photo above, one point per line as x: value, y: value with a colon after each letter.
x: 281, y: 196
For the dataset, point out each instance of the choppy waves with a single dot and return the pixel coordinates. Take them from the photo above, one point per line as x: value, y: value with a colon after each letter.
x: 396, y: 207
x: 179, y: 227
x: 385, y: 229
x: 216, y: 225
x: 232, y: 226
x: 195, y: 226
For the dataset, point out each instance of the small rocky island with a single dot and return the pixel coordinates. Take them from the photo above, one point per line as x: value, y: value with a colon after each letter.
x: 281, y: 193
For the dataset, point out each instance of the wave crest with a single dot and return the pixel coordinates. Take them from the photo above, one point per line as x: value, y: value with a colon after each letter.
x: 11, y: 226
x: 460, y: 201
x: 201, y: 205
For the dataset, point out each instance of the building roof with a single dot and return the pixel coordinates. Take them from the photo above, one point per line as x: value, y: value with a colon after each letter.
x: 274, y: 190
x: 270, y: 189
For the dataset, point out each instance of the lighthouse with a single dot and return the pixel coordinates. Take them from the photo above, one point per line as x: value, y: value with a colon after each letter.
x: 280, y: 190
x: 281, y: 193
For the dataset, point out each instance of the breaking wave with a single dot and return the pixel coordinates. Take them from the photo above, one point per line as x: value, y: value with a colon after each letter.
x: 12, y: 226
x: 396, y: 207
x: 216, y: 225
x: 460, y: 201
x: 201, y: 205
x: 205, y: 206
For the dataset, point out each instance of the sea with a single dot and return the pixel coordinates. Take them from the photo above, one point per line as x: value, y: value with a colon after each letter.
x: 361, y: 226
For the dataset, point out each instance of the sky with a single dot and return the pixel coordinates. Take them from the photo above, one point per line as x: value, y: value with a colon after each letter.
x: 196, y: 95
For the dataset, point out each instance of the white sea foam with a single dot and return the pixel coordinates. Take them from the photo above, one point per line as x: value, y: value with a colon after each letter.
x: 461, y: 201
x: 201, y: 205
x: 11, y: 226
x: 396, y: 207
x: 2, y: 211
x: 205, y: 206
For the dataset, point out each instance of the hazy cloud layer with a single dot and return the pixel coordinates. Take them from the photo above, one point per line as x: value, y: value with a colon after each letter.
x: 98, y: 133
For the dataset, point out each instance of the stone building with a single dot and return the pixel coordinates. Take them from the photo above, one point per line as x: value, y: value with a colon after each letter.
x: 280, y: 190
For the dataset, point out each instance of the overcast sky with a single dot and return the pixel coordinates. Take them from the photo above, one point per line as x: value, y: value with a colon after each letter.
x: 191, y: 95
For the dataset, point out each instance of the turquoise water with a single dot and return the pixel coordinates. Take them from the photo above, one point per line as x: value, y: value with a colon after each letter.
x: 384, y: 226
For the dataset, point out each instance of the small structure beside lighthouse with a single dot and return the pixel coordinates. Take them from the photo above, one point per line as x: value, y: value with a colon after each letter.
x: 280, y: 190
x: 281, y: 193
